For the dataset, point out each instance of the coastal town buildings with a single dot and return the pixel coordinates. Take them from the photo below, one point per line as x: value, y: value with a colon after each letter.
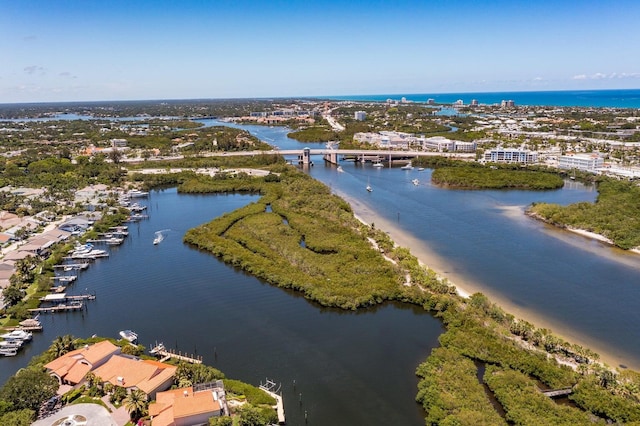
x: 586, y: 162
x: 359, y: 115
x: 511, y: 155
x: 401, y: 140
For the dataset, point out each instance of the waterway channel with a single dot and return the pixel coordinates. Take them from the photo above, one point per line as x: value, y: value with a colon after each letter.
x: 580, y: 288
x: 352, y: 368
x: 348, y: 368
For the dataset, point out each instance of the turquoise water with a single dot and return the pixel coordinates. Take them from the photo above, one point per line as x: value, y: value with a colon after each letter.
x: 627, y: 98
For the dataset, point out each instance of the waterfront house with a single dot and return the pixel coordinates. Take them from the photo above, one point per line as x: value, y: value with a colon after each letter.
x: 7, y: 269
x: 188, y: 407
x: 71, y: 367
x: 133, y: 373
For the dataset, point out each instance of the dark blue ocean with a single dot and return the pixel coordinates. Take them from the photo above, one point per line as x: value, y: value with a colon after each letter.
x: 622, y: 98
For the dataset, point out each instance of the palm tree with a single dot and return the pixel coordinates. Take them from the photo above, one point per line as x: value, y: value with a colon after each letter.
x: 62, y: 345
x: 136, y: 403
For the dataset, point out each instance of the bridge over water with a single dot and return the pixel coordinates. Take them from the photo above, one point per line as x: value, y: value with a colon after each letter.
x: 328, y: 154
x: 361, y: 155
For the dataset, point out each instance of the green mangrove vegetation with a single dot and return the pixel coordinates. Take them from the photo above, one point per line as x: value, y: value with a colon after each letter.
x: 475, y: 176
x: 302, y: 237
x: 615, y: 214
x: 314, y: 134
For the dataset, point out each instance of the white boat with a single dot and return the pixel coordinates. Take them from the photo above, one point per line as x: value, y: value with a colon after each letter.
x: 22, y: 335
x: 420, y: 169
x: 129, y: 335
x: 7, y: 344
x: 407, y: 166
x: 136, y: 193
x: 9, y: 351
x: 369, y: 188
x: 340, y: 169
x: 159, y: 237
x: 114, y: 241
x: 378, y: 164
x: 415, y: 182
x: 157, y: 349
x: 137, y: 207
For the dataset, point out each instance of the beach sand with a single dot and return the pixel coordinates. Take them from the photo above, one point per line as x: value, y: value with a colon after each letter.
x: 466, y: 286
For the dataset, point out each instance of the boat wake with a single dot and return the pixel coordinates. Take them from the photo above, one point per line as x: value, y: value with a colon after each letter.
x: 159, y: 236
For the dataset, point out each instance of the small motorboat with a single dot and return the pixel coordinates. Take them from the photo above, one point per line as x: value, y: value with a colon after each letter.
x: 130, y: 336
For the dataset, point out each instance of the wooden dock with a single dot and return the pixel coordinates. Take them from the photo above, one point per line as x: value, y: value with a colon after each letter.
x: 72, y: 266
x: 165, y: 354
x: 65, y: 278
x: 76, y: 306
x: 269, y: 387
x: 62, y: 297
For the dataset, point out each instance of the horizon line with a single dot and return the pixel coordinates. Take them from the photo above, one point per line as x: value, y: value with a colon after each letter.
x: 319, y: 97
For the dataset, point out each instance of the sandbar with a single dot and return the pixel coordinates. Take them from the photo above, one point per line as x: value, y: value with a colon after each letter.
x: 467, y: 286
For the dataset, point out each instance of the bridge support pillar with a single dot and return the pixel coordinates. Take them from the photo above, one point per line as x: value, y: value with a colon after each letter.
x: 331, y: 157
x: 305, y: 157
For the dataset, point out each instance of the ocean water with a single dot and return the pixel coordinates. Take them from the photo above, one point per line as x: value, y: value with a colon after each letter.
x: 622, y: 98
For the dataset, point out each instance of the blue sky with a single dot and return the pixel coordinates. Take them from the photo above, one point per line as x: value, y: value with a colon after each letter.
x: 82, y: 50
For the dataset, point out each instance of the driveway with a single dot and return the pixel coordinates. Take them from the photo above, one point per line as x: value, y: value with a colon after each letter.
x: 80, y: 415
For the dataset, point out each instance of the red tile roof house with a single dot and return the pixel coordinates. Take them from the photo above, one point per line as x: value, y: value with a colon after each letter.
x: 105, y: 360
x: 184, y: 407
x: 71, y: 367
x: 132, y: 373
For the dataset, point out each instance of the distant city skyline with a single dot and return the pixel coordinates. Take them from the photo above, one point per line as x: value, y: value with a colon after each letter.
x: 120, y: 50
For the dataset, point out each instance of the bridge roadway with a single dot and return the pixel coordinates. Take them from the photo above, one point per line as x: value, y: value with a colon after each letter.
x: 325, y: 152
x: 358, y: 152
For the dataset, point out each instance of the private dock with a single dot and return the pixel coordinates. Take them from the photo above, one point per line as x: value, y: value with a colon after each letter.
x: 62, y: 297
x: 75, y: 306
x: 65, y: 278
x: 165, y: 354
x: 72, y: 266
x: 30, y: 324
x: 114, y: 241
x: 270, y: 388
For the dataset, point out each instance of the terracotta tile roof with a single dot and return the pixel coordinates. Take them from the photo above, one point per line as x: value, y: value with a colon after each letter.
x: 163, y: 419
x: 173, y: 404
x: 73, y: 365
x: 195, y: 403
x: 143, y: 374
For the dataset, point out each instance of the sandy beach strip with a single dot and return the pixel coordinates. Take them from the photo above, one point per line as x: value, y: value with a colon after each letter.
x: 467, y: 286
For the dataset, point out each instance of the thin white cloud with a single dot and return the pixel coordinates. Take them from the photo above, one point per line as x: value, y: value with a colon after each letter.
x: 602, y: 76
x: 67, y: 74
x: 32, y: 69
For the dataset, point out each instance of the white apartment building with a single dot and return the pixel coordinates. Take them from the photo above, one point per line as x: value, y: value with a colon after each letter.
x: 440, y: 143
x: 360, y: 115
x: 511, y: 155
x: 586, y: 162
x: 401, y: 140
